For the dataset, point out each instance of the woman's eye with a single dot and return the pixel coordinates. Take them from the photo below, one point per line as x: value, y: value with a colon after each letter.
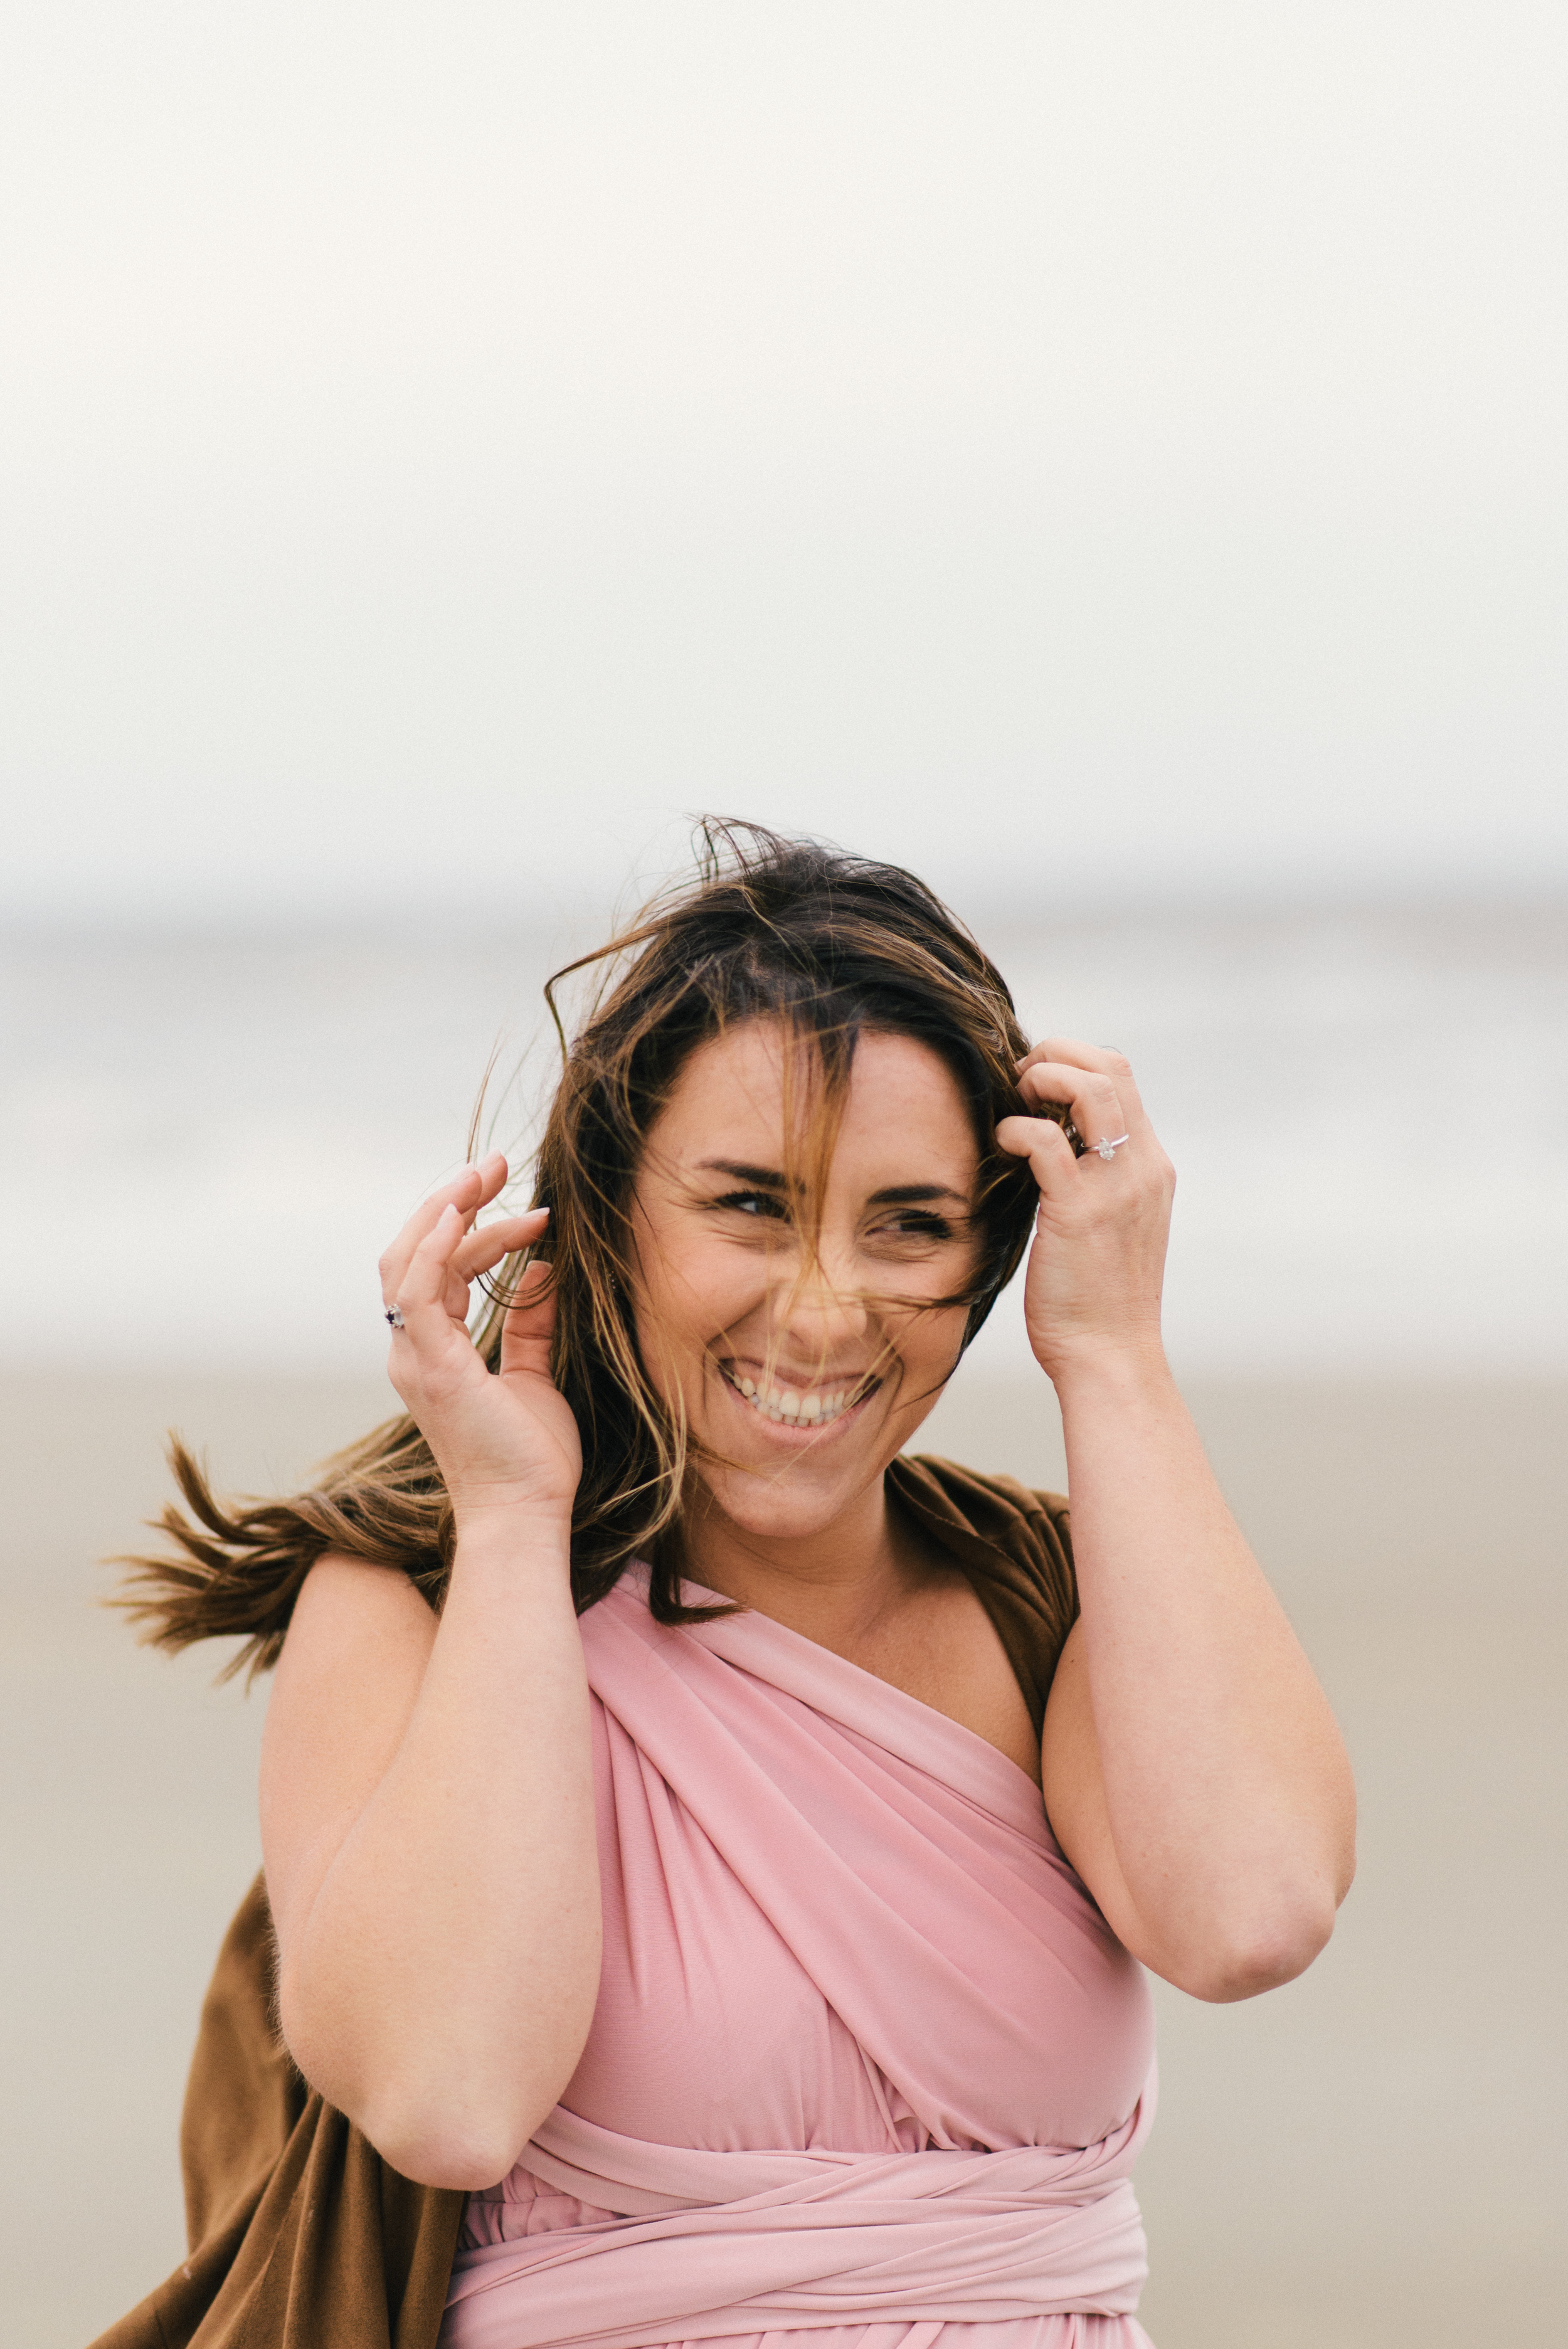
x: 918, y: 1226
x: 760, y: 1204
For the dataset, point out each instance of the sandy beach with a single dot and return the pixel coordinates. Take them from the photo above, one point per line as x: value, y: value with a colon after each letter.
x: 1369, y: 2159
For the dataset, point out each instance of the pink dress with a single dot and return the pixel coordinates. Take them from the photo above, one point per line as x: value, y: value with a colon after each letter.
x: 867, y: 2061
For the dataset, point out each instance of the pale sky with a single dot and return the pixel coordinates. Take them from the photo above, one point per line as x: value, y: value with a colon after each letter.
x: 1070, y: 448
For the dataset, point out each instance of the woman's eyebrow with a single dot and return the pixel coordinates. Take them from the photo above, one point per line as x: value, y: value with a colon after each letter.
x: 896, y: 1194
x: 909, y: 1195
x: 761, y: 1178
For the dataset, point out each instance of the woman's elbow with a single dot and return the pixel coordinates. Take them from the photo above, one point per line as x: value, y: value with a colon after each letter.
x: 436, y: 2140
x: 1261, y: 1952
x: 416, y: 2123
x: 444, y: 2152
x: 1249, y: 1970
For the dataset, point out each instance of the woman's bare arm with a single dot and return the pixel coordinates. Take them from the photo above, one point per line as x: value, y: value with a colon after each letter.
x: 427, y: 1824
x: 1193, y: 1770
x: 428, y: 1809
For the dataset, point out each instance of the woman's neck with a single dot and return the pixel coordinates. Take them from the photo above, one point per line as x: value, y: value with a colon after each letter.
x: 835, y: 1584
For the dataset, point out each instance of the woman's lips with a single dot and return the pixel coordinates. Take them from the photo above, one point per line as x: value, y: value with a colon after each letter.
x: 804, y: 1408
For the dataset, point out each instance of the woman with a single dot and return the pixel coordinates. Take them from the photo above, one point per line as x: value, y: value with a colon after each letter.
x: 711, y: 1855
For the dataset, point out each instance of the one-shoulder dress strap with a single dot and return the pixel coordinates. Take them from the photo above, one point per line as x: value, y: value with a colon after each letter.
x: 1016, y: 1547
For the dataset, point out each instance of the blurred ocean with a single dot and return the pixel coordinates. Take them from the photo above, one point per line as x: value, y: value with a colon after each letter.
x: 206, y: 1138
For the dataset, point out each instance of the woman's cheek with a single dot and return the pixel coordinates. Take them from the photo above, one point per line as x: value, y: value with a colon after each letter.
x: 708, y: 1293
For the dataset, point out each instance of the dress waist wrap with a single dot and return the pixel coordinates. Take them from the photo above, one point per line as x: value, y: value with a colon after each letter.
x: 706, y: 2244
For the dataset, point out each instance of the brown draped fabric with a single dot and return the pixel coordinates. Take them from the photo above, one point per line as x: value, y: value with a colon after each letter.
x: 300, y: 2236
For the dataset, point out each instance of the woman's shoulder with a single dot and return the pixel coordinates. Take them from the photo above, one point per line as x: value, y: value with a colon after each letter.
x: 1015, y: 1544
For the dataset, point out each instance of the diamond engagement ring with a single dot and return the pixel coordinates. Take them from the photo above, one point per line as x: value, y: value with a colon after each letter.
x: 1107, y: 1148
x: 394, y: 1317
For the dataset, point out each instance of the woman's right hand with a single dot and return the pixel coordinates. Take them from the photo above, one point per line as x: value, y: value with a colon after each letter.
x: 501, y: 1443
x: 428, y: 1784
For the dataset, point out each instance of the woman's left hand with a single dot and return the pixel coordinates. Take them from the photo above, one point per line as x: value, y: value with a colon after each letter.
x: 1191, y: 1770
x: 1098, y: 1262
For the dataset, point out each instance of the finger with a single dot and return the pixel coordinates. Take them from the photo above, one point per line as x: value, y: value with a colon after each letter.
x: 1097, y: 1110
x: 469, y: 1190
x: 460, y: 1192
x: 1047, y: 1148
x: 1074, y: 1051
x: 1101, y: 1059
x: 530, y: 1324
x: 487, y: 1243
x: 485, y: 1247
x: 492, y: 1175
x: 421, y: 1295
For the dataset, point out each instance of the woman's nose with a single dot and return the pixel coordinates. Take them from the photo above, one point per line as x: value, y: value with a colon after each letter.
x: 822, y: 1308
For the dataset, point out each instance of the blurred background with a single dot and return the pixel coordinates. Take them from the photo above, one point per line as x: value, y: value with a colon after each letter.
x: 1109, y: 458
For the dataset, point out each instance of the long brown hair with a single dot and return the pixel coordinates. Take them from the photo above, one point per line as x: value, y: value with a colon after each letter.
x: 830, y: 945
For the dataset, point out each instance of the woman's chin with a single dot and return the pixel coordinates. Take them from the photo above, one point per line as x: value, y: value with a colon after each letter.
x: 763, y: 1516
x: 793, y: 1498
x: 776, y: 1479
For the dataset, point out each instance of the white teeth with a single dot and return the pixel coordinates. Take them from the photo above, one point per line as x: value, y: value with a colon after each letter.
x: 784, y: 1407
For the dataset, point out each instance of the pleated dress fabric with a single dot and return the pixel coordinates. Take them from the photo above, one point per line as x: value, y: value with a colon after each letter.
x: 867, y: 2065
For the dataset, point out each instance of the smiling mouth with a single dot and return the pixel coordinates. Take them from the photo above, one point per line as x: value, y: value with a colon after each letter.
x: 788, y: 1406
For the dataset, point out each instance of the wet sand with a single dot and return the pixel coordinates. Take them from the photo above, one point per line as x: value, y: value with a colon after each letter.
x: 1370, y: 2158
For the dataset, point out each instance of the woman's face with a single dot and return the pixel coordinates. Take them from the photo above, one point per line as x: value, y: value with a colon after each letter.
x: 802, y: 1374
